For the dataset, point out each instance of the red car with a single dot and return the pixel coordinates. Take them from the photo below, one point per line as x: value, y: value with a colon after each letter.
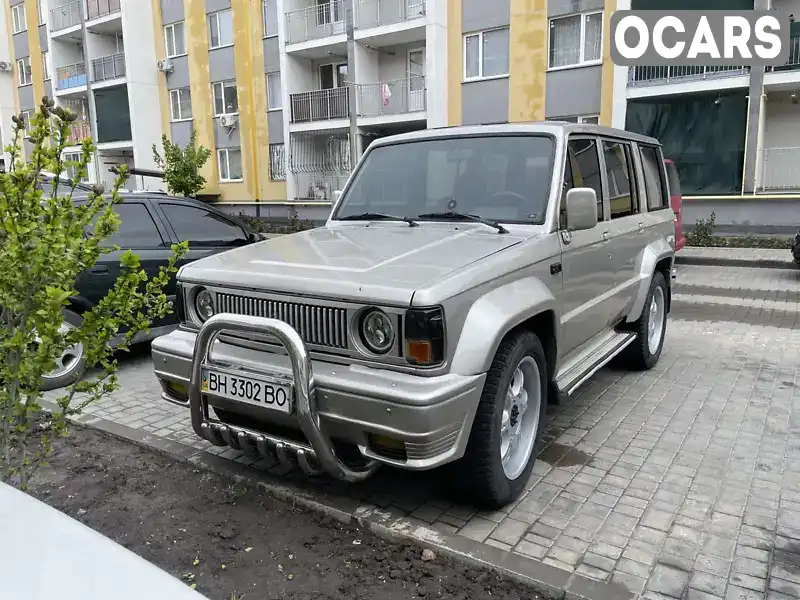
x: 676, y: 201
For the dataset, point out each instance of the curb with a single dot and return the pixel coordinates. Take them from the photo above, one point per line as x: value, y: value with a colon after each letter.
x: 551, y: 582
x: 707, y: 261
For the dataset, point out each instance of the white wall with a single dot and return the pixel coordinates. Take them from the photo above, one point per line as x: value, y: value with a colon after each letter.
x: 142, y: 77
x: 367, y: 64
x: 436, y: 62
x: 64, y: 53
x: 100, y: 45
x: 301, y: 75
x: 393, y: 61
x: 782, y: 122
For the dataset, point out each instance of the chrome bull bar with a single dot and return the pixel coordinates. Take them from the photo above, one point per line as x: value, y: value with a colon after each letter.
x: 256, y: 443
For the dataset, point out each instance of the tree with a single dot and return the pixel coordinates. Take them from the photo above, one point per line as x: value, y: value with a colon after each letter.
x: 182, y: 166
x: 47, y: 239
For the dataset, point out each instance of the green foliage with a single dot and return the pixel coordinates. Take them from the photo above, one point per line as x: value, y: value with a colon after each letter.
x: 293, y: 226
x: 703, y: 236
x: 46, y: 241
x: 182, y: 166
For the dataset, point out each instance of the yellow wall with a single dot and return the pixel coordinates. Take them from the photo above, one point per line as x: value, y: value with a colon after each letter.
x: 37, y: 67
x: 455, y: 64
x: 200, y: 86
x: 607, y: 89
x: 14, y: 73
x: 527, y: 60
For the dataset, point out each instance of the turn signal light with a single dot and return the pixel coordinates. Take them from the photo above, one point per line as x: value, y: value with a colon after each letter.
x: 424, y: 336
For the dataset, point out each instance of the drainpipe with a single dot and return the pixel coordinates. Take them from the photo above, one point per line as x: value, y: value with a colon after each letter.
x: 754, y: 115
x: 89, y: 94
x: 351, y: 85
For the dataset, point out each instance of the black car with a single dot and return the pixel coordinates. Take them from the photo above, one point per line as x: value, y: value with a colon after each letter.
x: 150, y: 222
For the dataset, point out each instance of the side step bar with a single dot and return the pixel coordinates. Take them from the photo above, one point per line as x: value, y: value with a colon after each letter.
x: 574, y: 375
x: 320, y: 455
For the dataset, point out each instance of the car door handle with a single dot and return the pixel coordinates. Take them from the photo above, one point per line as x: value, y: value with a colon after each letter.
x: 99, y: 270
x: 605, y: 236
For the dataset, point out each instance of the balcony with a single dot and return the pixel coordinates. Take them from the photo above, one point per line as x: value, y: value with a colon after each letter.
x: 108, y: 67
x: 71, y: 76
x: 642, y: 76
x: 320, y: 105
x: 315, y: 22
x: 101, y: 8
x: 396, y: 97
x: 793, y: 63
x: 374, y: 13
x: 65, y: 16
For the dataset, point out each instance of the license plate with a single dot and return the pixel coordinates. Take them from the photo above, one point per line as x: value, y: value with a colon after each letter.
x: 261, y: 391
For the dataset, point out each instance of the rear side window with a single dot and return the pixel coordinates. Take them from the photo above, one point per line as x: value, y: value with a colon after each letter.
x: 622, y: 195
x: 202, y: 227
x: 654, y: 182
x: 136, y: 228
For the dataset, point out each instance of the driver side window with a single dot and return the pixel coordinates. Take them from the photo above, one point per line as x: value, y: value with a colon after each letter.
x: 582, y: 169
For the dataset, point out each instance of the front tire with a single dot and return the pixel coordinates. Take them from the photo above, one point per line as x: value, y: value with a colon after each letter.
x: 500, y: 452
x: 650, y: 328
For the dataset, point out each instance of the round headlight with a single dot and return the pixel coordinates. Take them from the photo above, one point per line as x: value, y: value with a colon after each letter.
x: 204, y: 305
x: 377, y: 332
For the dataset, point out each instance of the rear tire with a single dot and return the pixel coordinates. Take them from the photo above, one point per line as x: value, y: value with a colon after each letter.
x: 650, y: 328
x: 70, y: 364
x: 501, y: 452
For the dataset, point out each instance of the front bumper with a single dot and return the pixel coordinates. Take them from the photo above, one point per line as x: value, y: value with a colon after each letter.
x: 431, y: 416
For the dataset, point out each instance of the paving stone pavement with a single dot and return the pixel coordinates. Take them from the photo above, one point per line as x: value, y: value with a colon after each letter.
x: 680, y: 482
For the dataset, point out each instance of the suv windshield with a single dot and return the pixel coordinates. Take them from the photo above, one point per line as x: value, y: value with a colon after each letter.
x: 503, y: 178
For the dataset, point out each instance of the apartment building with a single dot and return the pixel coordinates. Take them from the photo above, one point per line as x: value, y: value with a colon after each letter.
x: 75, y: 52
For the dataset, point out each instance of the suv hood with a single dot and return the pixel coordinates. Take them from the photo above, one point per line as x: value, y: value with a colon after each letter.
x: 384, y: 262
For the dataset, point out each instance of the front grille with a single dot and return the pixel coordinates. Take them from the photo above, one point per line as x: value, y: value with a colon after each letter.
x: 317, y: 325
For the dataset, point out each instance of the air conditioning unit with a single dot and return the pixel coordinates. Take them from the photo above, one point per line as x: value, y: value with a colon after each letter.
x: 165, y: 66
x: 4, y: 66
x: 228, y: 120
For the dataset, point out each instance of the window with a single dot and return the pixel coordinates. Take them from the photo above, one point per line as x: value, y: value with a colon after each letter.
x: 24, y: 70
x: 181, y: 104
x: 71, y: 171
x: 620, y: 179
x: 506, y: 178
x: 42, y: 7
x: 576, y: 40
x: 27, y: 115
x: 579, y: 119
x: 230, y: 164
x: 46, y: 69
x: 654, y: 179
x: 201, y: 227
x: 270, y: 15
x: 136, y: 228
x: 226, y: 100
x: 486, y: 54
x: 277, y: 162
x: 220, y: 29
x: 274, y: 92
x: 175, y: 39
x: 582, y: 170
x: 19, y: 21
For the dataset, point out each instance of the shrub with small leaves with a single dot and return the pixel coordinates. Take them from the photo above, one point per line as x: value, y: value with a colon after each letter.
x: 182, y: 166
x: 47, y: 239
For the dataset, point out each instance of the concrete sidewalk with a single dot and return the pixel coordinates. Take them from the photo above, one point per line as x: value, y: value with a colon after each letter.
x: 736, y: 257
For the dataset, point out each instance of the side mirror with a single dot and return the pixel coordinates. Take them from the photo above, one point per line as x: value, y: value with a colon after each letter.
x: 581, y: 209
x: 336, y: 195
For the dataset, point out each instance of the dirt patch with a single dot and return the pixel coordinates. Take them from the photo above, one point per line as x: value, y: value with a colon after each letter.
x: 234, y: 541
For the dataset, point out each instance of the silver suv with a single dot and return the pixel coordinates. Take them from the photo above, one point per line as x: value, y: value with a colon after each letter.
x: 464, y: 276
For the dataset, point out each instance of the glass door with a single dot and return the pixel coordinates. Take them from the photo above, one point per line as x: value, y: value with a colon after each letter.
x: 416, y: 80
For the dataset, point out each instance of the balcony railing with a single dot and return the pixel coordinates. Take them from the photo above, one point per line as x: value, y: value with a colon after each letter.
x: 108, y: 67
x: 794, y: 57
x: 320, y: 105
x: 374, y: 13
x: 67, y: 15
x: 100, y: 8
x: 779, y: 169
x: 315, y: 22
x: 639, y: 76
x: 319, y: 186
x: 71, y: 76
x: 79, y: 131
x: 396, y: 97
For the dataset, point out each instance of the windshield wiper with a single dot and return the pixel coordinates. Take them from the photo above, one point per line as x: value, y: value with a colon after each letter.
x: 464, y: 217
x: 372, y: 216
